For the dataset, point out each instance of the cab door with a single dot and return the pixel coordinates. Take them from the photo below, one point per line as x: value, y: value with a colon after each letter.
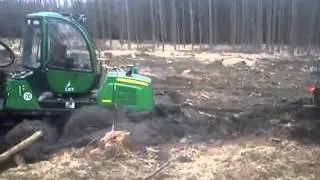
x: 69, y: 66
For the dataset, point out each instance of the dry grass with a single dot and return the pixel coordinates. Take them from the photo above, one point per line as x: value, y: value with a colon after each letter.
x: 227, y: 58
x: 253, y: 161
x: 249, y: 160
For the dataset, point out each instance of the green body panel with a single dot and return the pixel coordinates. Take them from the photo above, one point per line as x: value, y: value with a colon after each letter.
x: 133, y: 92
x: 20, y: 94
x: 61, y: 81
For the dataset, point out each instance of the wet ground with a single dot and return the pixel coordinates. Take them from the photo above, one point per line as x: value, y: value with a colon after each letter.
x: 239, y: 99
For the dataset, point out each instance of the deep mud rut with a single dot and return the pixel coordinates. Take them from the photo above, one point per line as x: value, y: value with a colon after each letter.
x: 212, y: 102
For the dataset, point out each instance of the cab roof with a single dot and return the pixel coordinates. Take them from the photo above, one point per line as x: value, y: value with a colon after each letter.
x: 46, y: 14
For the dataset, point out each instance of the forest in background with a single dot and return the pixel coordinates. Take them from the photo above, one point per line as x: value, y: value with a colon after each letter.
x: 275, y: 24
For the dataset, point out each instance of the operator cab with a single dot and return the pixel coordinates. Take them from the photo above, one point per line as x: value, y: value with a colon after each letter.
x: 59, y: 46
x: 57, y: 49
x: 67, y: 49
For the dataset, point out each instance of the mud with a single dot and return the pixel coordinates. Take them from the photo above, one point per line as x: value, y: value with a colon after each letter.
x: 85, y: 120
x: 233, y: 101
x: 203, y: 102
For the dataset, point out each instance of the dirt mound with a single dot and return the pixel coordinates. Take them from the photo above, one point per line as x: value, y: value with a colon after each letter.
x: 284, y: 120
x: 85, y: 120
x: 172, y: 122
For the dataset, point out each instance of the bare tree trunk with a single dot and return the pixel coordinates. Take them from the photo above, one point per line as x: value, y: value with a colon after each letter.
x: 183, y: 27
x: 161, y: 23
x: 178, y: 34
x: 243, y: 23
x: 293, y: 26
x: 280, y: 25
x: 274, y: 21
x: 233, y: 22
x: 136, y: 24
x: 122, y: 25
x: 65, y: 3
x: 199, y: 23
x: 210, y: 23
x: 109, y: 18
x: 174, y: 24
x: 157, y: 23
x: 164, y: 22
x: 102, y: 24
x: 95, y: 23
x: 215, y: 20
x: 191, y: 24
x: 239, y: 22
x: 152, y: 21
x: 259, y: 23
x: 246, y: 23
x: 311, y: 28
x: 142, y: 29
x: 269, y: 24
x: 128, y: 24
x: 253, y: 23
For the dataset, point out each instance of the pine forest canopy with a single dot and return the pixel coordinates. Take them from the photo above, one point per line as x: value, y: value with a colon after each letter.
x: 283, y: 22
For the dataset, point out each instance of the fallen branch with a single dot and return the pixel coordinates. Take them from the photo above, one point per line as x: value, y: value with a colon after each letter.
x: 160, y: 168
x: 153, y: 173
x: 22, y: 145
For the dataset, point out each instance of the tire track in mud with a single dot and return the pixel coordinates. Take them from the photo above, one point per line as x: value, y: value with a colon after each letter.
x: 286, y: 119
x: 269, y: 78
x: 171, y: 122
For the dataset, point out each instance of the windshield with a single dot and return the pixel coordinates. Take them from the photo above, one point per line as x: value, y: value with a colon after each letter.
x: 31, y: 52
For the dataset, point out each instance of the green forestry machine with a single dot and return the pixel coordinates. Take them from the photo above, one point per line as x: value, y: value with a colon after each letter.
x: 62, y: 77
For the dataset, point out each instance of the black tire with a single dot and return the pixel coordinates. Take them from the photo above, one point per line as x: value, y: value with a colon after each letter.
x: 86, y: 120
x: 37, y: 151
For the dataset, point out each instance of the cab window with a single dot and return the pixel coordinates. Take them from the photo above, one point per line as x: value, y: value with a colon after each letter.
x: 67, y: 47
x: 31, y: 52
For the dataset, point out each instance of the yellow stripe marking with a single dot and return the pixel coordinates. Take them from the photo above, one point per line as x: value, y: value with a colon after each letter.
x: 106, y: 100
x: 132, y: 81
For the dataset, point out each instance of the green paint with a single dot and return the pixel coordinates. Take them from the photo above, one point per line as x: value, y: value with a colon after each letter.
x: 20, y: 95
x: 78, y: 82
x: 132, y: 96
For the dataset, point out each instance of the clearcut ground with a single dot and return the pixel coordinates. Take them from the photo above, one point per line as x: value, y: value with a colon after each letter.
x: 241, y: 120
